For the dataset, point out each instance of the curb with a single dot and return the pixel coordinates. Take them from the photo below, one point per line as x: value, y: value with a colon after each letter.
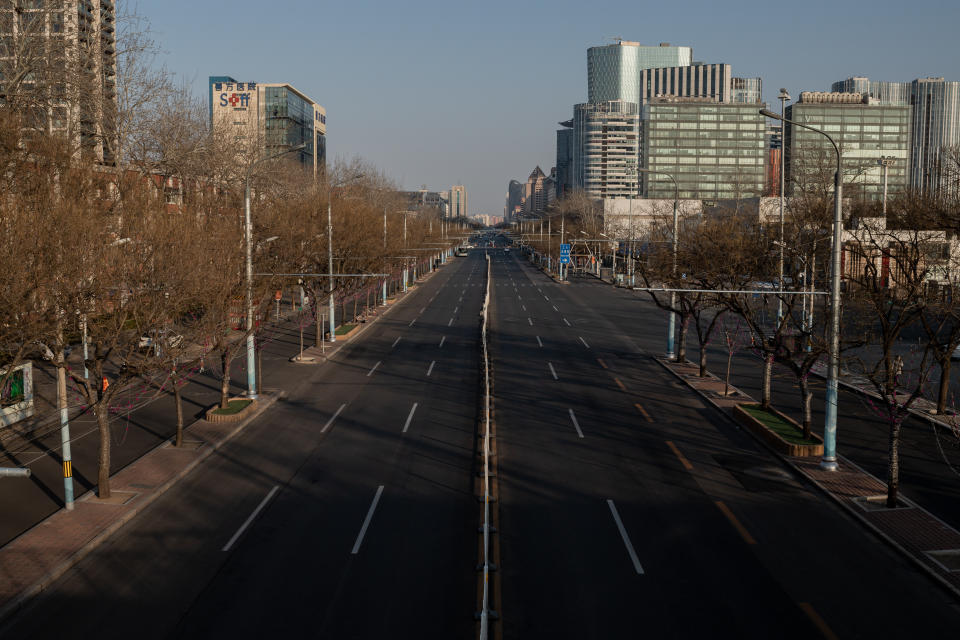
x: 41, y: 585
x: 849, y: 509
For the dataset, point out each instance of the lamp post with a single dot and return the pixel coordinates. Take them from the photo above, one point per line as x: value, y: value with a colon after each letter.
x: 885, y: 162
x: 248, y: 229
x: 829, y: 462
x: 672, y: 328
x: 783, y: 97
x: 332, y: 307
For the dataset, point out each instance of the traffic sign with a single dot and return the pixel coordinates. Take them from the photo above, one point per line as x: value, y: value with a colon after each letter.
x: 564, y: 254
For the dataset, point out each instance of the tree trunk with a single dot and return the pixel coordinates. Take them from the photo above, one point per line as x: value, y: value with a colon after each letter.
x: 944, y: 385
x: 806, y: 397
x: 103, y: 425
x: 178, y: 400
x: 767, y: 375
x: 893, y: 464
x: 703, y: 359
x: 225, y: 360
x: 682, y: 341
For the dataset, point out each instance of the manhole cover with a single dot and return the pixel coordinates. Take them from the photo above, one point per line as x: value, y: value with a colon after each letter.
x: 949, y: 559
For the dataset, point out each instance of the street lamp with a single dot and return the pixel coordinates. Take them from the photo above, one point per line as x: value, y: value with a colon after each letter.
x: 333, y: 324
x: 783, y: 97
x: 886, y: 162
x: 829, y: 462
x: 671, y: 330
x: 248, y: 228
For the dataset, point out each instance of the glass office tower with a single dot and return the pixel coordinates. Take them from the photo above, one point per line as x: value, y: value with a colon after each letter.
x: 289, y: 120
x: 613, y: 71
x: 864, y: 132
x: 936, y: 131
x: 606, y: 148
x: 714, y: 151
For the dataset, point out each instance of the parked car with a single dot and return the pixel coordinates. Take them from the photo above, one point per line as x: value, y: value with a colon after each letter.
x: 165, y: 337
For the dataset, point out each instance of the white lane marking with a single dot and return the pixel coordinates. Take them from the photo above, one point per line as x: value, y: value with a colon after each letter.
x: 251, y: 518
x: 450, y: 323
x: 553, y: 371
x: 576, y: 425
x: 411, y: 322
x: 546, y: 298
x: 395, y: 342
x: 442, y: 340
x: 455, y: 309
x: 366, y: 521
x: 567, y: 321
x: 424, y: 309
x: 539, y: 341
x: 530, y: 321
x: 626, y: 538
x: 584, y: 342
x: 555, y: 308
x: 524, y: 307
x: 430, y: 370
x: 334, y: 417
x: 413, y: 409
x: 374, y: 368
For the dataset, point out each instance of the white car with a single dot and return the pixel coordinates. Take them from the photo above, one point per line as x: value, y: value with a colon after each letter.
x: 166, y: 336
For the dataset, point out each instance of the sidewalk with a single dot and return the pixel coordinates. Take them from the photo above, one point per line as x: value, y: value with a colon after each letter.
x: 39, y: 556
x: 920, y: 536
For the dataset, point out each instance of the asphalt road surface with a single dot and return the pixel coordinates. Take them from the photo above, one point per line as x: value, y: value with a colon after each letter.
x: 627, y: 507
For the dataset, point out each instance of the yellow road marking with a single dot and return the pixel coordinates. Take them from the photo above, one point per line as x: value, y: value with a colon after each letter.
x: 736, y: 523
x: 620, y: 384
x: 818, y: 621
x: 643, y: 411
x: 683, y: 460
x: 602, y: 363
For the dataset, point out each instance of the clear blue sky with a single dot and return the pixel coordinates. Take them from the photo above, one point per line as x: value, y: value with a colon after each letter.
x: 439, y: 93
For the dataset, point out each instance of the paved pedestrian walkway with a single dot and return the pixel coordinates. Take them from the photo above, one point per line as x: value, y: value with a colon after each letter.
x: 923, y: 538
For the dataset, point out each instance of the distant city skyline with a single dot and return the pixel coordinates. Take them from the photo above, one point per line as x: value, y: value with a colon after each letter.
x: 458, y: 108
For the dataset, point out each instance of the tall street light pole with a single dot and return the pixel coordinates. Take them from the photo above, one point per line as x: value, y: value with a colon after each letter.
x: 248, y: 229
x: 886, y: 162
x: 332, y: 306
x: 672, y: 328
x: 829, y: 462
x: 783, y: 97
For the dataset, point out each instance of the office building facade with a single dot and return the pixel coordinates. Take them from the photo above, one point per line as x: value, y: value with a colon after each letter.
x: 606, y: 148
x: 59, y: 57
x: 613, y: 71
x: 564, y: 184
x: 514, y: 203
x: 889, y: 93
x: 260, y: 119
x: 715, y: 151
x: 935, y: 154
x: 746, y: 90
x: 694, y: 81
x: 864, y: 132
x: 458, y: 201
x: 538, y: 192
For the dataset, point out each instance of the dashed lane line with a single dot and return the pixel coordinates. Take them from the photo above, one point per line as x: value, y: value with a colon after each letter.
x: 584, y: 342
x: 413, y: 409
x: 643, y: 411
x: 683, y: 460
x: 736, y: 523
x: 366, y: 521
x: 576, y: 424
x: 374, y: 368
x: 625, y: 537
x: 333, y: 417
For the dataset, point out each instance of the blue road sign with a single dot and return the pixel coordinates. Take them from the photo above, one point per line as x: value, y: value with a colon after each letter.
x: 564, y: 254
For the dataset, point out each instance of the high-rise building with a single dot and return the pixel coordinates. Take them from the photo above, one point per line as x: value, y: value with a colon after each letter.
x: 458, y: 201
x: 514, y: 203
x: 891, y: 93
x: 864, y: 132
x: 613, y: 71
x: 935, y: 153
x: 59, y: 57
x: 564, y: 158
x: 261, y: 119
x: 538, y: 192
x: 606, y: 147
x: 697, y: 80
x: 424, y: 200
x: 714, y: 151
x: 746, y: 90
